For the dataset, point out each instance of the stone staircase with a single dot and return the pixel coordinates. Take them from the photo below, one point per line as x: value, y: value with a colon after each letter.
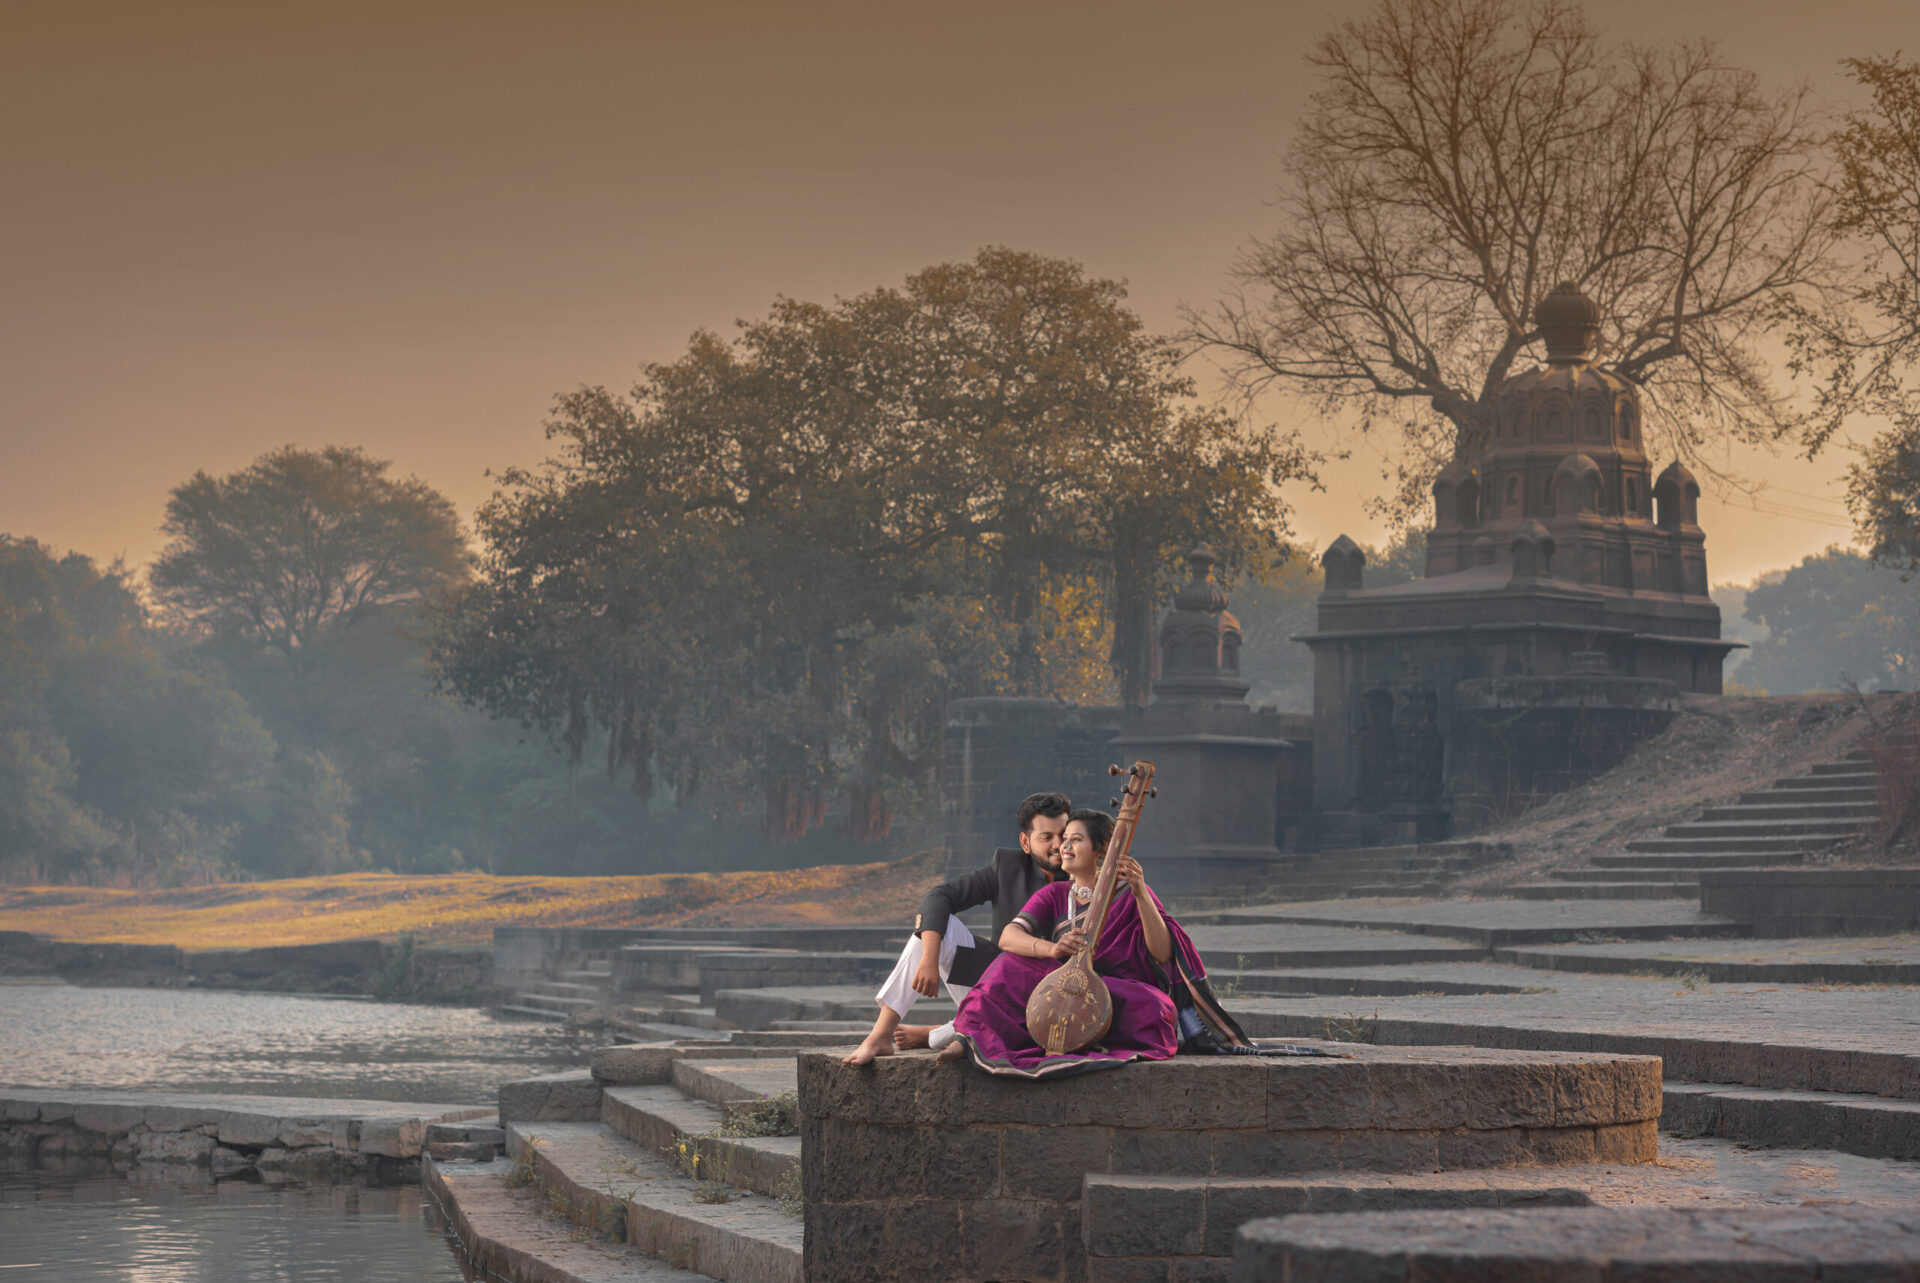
x: 672, y: 1160
x: 1424, y: 869
x: 585, y: 983
x: 1778, y: 825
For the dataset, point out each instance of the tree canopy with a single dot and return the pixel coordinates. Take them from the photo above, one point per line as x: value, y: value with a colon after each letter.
x: 115, y: 761
x: 300, y: 544
x: 765, y: 569
x: 1459, y: 158
x: 1834, y: 619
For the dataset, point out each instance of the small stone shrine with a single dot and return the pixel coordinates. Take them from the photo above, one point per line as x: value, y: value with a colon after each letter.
x: 1563, y: 613
x: 1215, y: 824
x: 1224, y: 767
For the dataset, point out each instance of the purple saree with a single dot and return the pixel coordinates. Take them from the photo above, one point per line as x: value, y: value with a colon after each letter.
x: 992, y: 1022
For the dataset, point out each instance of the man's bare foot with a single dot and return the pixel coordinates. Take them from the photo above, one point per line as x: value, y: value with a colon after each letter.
x: 911, y: 1037
x: 950, y: 1053
x: 867, y: 1050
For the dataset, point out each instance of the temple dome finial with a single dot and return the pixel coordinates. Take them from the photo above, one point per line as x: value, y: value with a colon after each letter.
x: 1569, y: 321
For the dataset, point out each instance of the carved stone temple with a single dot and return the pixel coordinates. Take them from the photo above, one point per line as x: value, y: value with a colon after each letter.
x: 1563, y: 613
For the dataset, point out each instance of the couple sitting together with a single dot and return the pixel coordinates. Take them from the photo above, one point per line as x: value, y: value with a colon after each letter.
x: 1040, y: 895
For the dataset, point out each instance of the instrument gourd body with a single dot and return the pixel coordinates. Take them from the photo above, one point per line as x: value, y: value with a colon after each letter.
x: 1071, y: 1009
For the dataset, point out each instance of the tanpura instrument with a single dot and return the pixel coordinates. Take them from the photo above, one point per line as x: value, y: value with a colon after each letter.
x: 1071, y: 1008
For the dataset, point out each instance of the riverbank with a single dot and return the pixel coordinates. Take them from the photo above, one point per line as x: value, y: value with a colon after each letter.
x: 455, y: 910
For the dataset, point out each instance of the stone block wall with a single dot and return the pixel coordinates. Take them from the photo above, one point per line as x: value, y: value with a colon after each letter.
x: 1516, y: 741
x: 1815, y: 902
x: 913, y: 1170
x: 999, y: 750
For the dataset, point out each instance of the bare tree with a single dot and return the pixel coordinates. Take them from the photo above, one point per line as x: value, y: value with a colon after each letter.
x: 1462, y: 157
x: 1863, y: 343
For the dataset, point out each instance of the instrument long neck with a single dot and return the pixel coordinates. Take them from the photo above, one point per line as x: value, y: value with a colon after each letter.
x: 1109, y: 874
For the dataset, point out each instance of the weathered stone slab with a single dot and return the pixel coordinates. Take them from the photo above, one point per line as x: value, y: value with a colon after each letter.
x: 565, y: 1097
x: 910, y: 1146
x: 1601, y: 1244
x: 295, y: 1136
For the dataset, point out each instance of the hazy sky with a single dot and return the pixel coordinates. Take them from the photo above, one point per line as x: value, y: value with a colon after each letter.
x: 407, y: 226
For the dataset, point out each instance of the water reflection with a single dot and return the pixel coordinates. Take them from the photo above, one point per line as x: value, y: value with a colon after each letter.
x: 270, y: 1044
x: 175, y: 1230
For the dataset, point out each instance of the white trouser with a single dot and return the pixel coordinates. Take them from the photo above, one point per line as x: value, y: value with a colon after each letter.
x: 897, y: 991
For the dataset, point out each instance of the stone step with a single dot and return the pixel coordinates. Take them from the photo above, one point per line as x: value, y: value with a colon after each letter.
x: 664, y: 1120
x: 1256, y: 959
x: 725, y: 1082
x: 1852, y: 766
x: 803, y: 1034
x: 1410, y: 887
x: 1896, y: 1075
x: 1813, y: 793
x: 1708, y: 1244
x: 1818, y: 830
x: 1616, y: 873
x: 1873, y: 1126
x: 1858, y: 780
x: 611, y: 1184
x: 761, y: 1008
x: 566, y: 989
x: 527, y: 1011
x: 1799, y: 972
x: 1686, y: 860
x: 555, y: 1002
x: 592, y: 979
x: 1229, y: 985
x: 858, y: 1028
x: 504, y: 1233
x: 1603, y: 890
x: 1732, y: 845
x: 1188, y: 1217
x: 1793, y: 811
x: 477, y: 1131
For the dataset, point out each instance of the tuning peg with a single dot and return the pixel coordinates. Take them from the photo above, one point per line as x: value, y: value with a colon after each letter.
x: 1113, y: 770
x: 1113, y: 801
x: 1153, y: 792
x: 1133, y: 770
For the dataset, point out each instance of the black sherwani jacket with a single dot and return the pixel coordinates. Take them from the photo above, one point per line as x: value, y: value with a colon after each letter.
x: 1007, y: 882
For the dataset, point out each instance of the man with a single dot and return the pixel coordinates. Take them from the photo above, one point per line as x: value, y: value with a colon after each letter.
x: 943, y: 951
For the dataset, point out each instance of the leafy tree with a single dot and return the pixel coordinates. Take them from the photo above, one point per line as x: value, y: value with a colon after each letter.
x: 1834, y: 618
x: 303, y: 545
x: 116, y: 761
x: 1461, y: 157
x: 765, y: 571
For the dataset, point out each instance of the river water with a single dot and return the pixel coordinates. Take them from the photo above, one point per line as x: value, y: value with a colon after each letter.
x: 181, y: 1227
x: 153, y: 1229
x: 269, y: 1044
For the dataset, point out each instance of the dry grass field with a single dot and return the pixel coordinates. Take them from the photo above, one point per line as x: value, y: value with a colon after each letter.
x: 461, y: 908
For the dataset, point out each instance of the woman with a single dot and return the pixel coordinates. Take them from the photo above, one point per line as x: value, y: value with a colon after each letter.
x: 1151, y: 970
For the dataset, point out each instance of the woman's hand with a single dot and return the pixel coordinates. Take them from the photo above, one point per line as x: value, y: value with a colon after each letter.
x: 1068, y: 945
x: 1134, y: 876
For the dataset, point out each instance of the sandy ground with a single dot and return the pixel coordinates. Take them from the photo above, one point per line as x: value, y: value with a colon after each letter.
x: 461, y: 908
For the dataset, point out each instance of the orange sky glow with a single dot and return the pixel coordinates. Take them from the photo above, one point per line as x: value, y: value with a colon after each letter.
x: 233, y: 226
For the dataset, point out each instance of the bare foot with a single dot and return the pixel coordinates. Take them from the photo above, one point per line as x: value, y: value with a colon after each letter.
x: 950, y: 1053
x: 867, y: 1050
x: 911, y: 1037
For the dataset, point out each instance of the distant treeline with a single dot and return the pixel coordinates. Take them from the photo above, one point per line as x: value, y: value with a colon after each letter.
x: 136, y: 753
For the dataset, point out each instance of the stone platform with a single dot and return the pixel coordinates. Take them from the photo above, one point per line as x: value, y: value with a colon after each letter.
x: 275, y: 1137
x: 914, y: 1170
x: 1583, y: 1245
